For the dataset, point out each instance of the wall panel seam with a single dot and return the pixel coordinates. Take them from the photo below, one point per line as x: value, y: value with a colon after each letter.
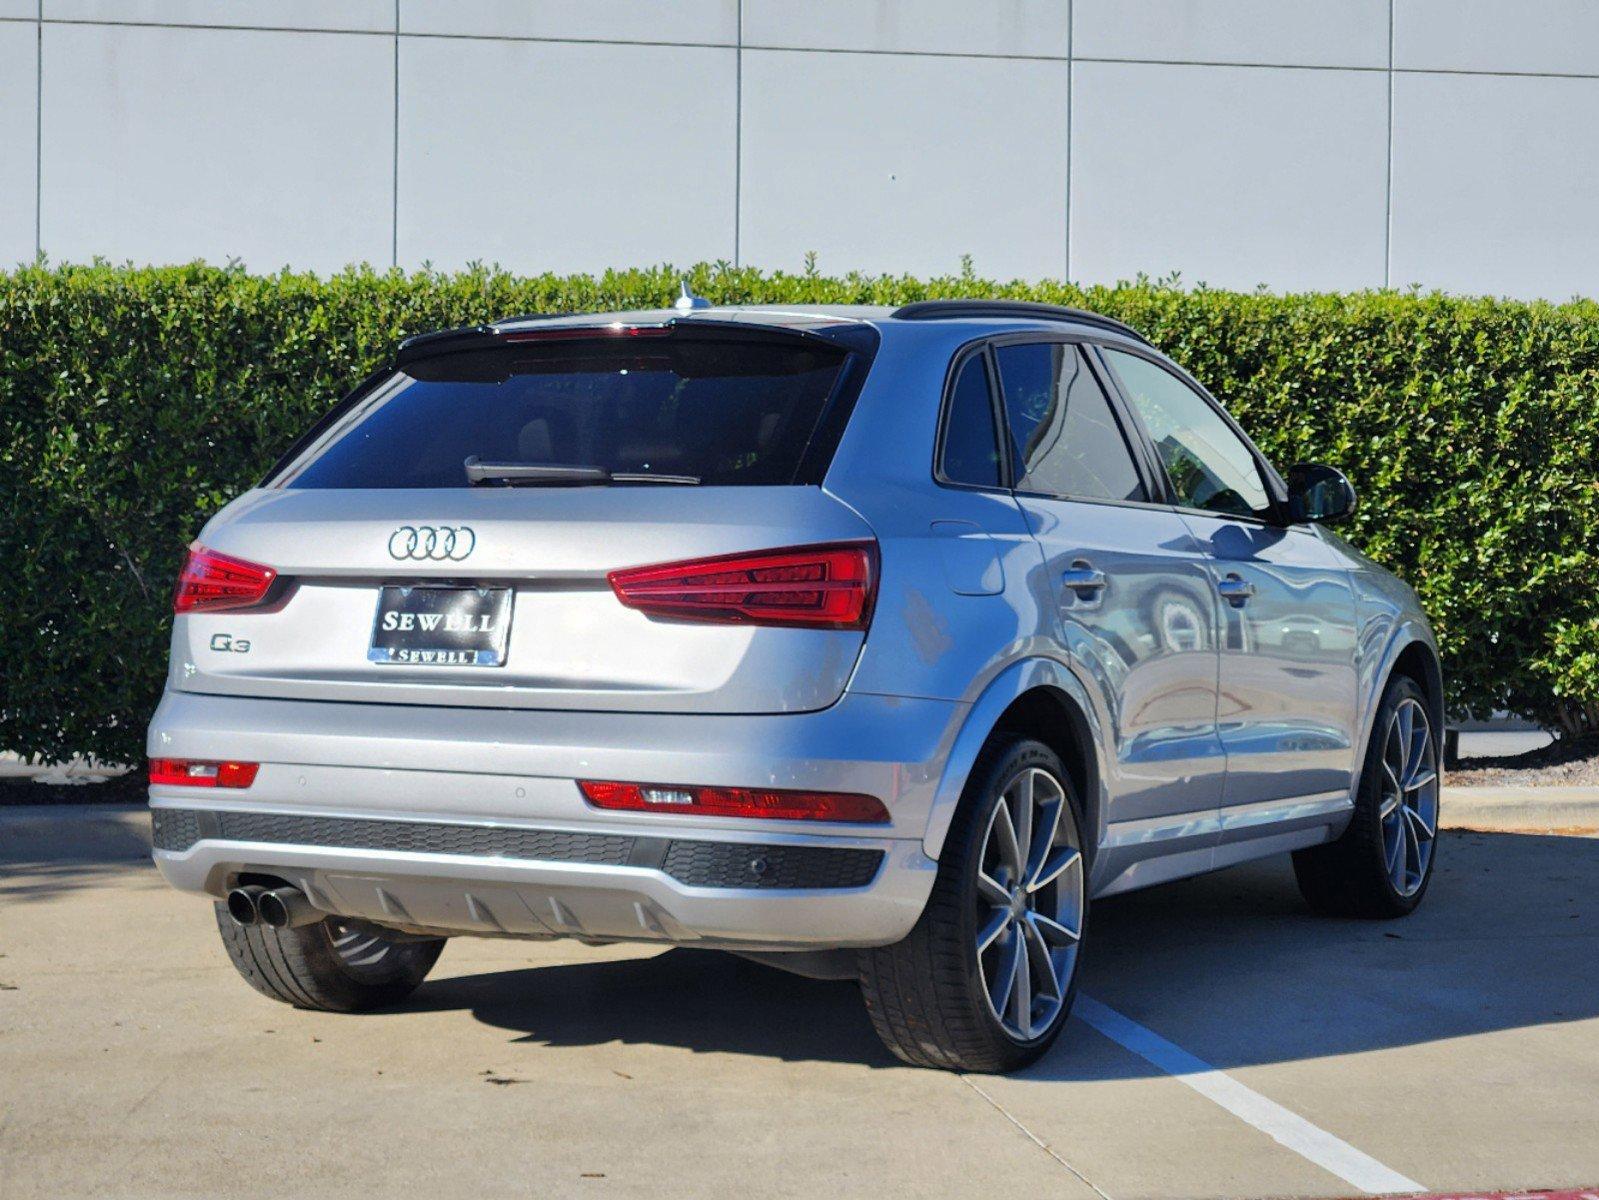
x: 739, y: 45
x: 1071, y: 117
x: 564, y: 41
x: 1286, y: 66
x: 1388, y: 166
x: 104, y: 24
x: 738, y: 139
x: 394, y: 207
x: 38, y: 135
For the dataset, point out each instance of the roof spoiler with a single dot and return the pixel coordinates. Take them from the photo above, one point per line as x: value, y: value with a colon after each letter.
x: 509, y: 331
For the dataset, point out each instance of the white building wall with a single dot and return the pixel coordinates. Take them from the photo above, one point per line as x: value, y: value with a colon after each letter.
x: 1293, y: 143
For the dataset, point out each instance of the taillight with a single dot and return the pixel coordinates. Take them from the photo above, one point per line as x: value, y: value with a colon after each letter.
x: 825, y: 587
x: 212, y: 582
x: 772, y: 803
x: 195, y: 772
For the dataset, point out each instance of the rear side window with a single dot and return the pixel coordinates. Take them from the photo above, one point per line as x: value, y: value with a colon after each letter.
x: 718, y: 410
x: 1067, y: 440
x: 970, y: 452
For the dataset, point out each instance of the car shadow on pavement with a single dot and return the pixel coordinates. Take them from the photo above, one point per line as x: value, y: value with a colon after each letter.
x: 699, y: 1000
x: 47, y: 852
x: 1233, y: 967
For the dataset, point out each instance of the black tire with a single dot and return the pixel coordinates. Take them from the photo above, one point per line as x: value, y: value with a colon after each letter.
x: 304, y: 967
x: 1349, y: 877
x: 925, y: 993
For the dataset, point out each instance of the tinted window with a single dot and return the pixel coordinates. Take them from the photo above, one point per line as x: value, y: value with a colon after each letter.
x: 1066, y: 438
x: 1210, y: 466
x: 971, y: 444
x: 728, y: 412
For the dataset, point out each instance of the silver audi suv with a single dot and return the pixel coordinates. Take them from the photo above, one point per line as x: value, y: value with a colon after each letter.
x: 871, y: 643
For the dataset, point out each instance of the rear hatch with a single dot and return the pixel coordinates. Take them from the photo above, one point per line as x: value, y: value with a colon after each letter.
x: 449, y: 535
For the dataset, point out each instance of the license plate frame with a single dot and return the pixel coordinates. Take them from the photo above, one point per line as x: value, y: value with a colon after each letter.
x: 471, y: 626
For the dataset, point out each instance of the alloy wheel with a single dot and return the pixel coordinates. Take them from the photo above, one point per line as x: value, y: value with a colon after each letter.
x: 364, y: 954
x: 1030, y: 904
x: 1408, y: 808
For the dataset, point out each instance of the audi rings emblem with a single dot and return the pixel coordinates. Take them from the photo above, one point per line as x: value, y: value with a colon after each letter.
x: 432, y: 543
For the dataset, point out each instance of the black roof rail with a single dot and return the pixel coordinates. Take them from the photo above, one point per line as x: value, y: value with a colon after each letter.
x: 949, y: 310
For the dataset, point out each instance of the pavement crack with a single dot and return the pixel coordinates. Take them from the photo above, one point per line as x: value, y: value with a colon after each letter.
x: 1034, y: 1138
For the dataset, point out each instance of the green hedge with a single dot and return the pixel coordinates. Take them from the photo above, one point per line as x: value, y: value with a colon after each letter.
x: 134, y: 403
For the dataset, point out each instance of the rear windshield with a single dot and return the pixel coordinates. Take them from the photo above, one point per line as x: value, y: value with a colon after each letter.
x: 716, y: 410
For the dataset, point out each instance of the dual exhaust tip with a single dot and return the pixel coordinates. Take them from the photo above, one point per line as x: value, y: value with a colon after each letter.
x: 276, y: 908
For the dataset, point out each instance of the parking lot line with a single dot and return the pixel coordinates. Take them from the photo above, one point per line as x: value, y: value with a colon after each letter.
x: 1287, y: 1128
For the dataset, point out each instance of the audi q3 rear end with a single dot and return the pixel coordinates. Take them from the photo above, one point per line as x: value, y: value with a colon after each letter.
x: 869, y: 643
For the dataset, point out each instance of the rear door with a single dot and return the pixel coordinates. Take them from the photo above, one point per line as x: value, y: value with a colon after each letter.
x: 698, y: 444
x: 1288, y: 679
x: 1135, y: 607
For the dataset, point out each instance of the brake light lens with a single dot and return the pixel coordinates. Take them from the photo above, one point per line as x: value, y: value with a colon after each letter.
x: 770, y: 803
x: 822, y: 587
x: 567, y: 333
x: 212, y: 582
x: 195, y: 772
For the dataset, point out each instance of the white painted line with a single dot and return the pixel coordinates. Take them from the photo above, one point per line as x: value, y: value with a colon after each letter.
x: 1289, y: 1129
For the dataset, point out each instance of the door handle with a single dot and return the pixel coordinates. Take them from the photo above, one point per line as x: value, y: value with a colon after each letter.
x: 1082, y: 577
x: 1235, y: 589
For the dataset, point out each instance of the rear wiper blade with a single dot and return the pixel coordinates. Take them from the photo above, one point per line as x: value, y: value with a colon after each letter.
x: 651, y: 477
x: 521, y: 474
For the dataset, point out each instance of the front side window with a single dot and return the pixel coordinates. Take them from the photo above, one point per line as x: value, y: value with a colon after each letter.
x: 1210, y: 466
x: 1067, y: 440
x: 970, y: 452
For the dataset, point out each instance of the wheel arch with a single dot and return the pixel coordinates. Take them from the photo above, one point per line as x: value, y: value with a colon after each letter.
x: 1419, y: 661
x: 1410, y: 652
x: 1038, y: 698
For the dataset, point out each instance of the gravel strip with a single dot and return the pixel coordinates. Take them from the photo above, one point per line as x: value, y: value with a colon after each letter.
x: 1563, y: 763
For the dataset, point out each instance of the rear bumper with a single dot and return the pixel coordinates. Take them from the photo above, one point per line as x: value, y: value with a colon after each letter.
x: 470, y: 821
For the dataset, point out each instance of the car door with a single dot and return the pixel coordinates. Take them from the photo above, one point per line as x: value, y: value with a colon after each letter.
x: 1287, y: 696
x: 1135, y: 607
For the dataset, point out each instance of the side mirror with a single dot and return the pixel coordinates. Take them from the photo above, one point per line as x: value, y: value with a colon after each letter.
x: 1317, y: 493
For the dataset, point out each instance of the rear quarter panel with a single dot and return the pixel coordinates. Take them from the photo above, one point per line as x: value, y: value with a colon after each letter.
x: 958, y: 599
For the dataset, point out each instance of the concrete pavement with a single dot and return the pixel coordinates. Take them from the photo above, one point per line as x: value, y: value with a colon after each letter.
x: 1494, y: 743
x: 1459, y: 1048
